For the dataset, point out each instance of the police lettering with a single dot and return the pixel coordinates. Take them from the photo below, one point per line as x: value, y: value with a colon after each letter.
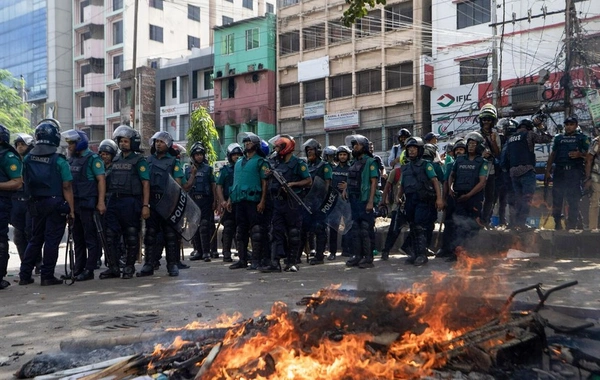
x: 178, y: 212
x: 117, y: 166
x: 467, y: 167
x: 515, y: 138
x: 43, y: 159
x: 329, y: 202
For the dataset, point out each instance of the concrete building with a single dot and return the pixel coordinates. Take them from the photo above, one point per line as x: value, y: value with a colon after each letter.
x: 35, y: 40
x: 245, y: 79
x: 334, y: 79
x: 104, y: 41
x: 530, y: 53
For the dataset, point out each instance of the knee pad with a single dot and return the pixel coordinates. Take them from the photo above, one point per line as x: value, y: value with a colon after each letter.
x: 132, y: 236
x: 171, y: 236
x: 229, y: 225
x: 294, y: 236
x: 204, y: 226
x: 257, y: 233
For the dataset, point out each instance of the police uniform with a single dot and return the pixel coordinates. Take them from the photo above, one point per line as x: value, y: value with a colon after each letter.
x: 567, y: 177
x: 10, y: 169
x: 20, y: 219
x: 225, y: 181
x: 397, y: 219
x: 339, y: 174
x: 85, y: 168
x: 311, y: 223
x: 203, y: 195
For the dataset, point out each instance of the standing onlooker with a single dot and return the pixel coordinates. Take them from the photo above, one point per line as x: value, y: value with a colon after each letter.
x: 396, y: 156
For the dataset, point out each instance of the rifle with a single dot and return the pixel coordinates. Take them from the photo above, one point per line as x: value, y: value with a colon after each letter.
x: 289, y: 190
x: 102, y: 237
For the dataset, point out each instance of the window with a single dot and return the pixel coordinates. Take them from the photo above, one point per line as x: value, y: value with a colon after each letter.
x: 156, y: 33
x: 397, y: 76
x: 174, y: 89
x: 314, y: 36
x: 117, y: 30
x: 117, y: 4
x: 474, y: 70
x: 369, y: 25
x: 116, y: 100
x: 289, y: 95
x: 368, y: 81
x: 287, y: 3
x: 227, y: 20
x: 247, y: 4
x: 252, y: 41
x: 228, y: 88
x: 231, y: 1
x: 85, y: 103
x: 82, y: 5
x: 117, y: 66
x: 270, y: 8
x: 314, y: 90
x: 85, y: 69
x: 339, y: 32
x: 193, y: 42
x: 193, y: 12
x: 158, y: 4
x: 472, y: 12
x: 289, y: 42
x: 227, y: 44
x: 128, y: 95
x: 340, y: 86
x: 208, y: 80
x: 398, y: 16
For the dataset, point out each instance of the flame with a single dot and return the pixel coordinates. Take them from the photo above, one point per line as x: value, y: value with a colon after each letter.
x: 160, y: 352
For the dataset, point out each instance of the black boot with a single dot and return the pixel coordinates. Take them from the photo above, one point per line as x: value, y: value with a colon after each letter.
x: 110, y: 273
x: 273, y: 267
x: 239, y: 264
x: 172, y: 269
x: 353, y: 261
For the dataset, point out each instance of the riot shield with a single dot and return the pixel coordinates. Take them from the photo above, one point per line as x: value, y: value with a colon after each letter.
x: 329, y: 205
x: 179, y: 210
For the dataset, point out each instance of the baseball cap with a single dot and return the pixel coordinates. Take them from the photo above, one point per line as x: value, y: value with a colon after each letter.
x: 430, y: 136
x: 571, y: 119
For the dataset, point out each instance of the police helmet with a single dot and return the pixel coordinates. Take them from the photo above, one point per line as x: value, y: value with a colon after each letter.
x: 47, y: 133
x: 264, y: 147
x: 285, y: 143
x: 312, y: 144
x: 571, y: 120
x: 510, y: 126
x: 415, y: 141
x: 343, y: 149
x: 197, y: 148
x: 162, y: 136
x: 403, y: 133
x: 22, y: 138
x: 449, y: 147
x: 488, y: 111
x: 459, y: 144
x: 430, y: 151
x: 477, y: 137
x: 233, y: 148
x: 108, y: 146
x: 78, y: 137
x: 178, y: 150
x: 526, y: 123
x: 352, y: 140
x: 244, y: 137
x: 4, y: 135
x: 330, y: 151
x: 130, y: 133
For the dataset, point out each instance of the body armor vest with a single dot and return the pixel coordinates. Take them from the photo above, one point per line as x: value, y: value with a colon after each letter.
x: 85, y: 191
x: 518, y: 151
x: 41, y: 178
x: 566, y: 144
x: 316, y: 170
x: 202, y: 184
x: 355, y: 177
x: 123, y: 177
x: 288, y: 172
x: 247, y: 182
x: 160, y: 170
x: 339, y: 175
x: 415, y: 178
x: 467, y: 173
x: 227, y: 172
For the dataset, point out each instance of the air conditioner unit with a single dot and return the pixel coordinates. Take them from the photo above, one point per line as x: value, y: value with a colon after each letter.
x: 219, y: 74
x: 154, y: 63
x: 526, y: 96
x: 261, y: 66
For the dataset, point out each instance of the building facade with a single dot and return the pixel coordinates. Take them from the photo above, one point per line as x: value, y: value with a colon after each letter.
x: 35, y: 38
x: 365, y: 78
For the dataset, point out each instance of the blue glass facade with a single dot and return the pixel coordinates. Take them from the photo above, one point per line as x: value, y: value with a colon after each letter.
x: 23, y: 30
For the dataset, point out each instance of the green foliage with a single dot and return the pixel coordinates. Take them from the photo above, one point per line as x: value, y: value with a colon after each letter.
x: 202, y: 128
x: 358, y: 9
x: 12, y: 107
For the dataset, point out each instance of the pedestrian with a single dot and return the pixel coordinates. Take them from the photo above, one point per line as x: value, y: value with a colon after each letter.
x: 521, y: 162
x: 48, y: 183
x: 488, y: 117
x: 248, y: 197
x: 396, y: 157
x: 360, y: 191
x: 162, y: 163
x: 423, y: 193
x: 466, y: 185
x: 11, y: 180
x: 286, y: 225
x: 339, y: 180
x: 20, y: 218
x: 129, y: 202
x: 568, y: 154
x: 89, y: 192
x: 224, y: 183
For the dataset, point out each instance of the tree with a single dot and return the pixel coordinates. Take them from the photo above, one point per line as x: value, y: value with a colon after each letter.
x: 202, y: 128
x: 358, y: 9
x: 12, y: 107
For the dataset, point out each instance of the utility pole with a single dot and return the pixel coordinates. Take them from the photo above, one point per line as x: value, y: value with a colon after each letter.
x: 134, y: 85
x: 495, y: 83
x: 566, y: 79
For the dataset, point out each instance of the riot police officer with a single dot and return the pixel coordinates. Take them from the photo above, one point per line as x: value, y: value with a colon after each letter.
x: 396, y: 157
x: 339, y: 180
x: 330, y: 155
x: 163, y: 163
x: 19, y: 215
x: 89, y: 191
x: 107, y: 150
x: 466, y: 185
x: 360, y: 191
x: 201, y: 187
x: 568, y: 155
x: 129, y: 188
x: 11, y: 180
x: 248, y: 196
x: 224, y: 184
x: 311, y: 224
x: 48, y: 183
x: 430, y: 154
x: 488, y: 117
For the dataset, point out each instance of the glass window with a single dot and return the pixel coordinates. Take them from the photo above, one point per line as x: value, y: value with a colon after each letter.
x: 158, y: 4
x: 289, y: 95
x: 398, y: 16
x: 270, y: 8
x: 340, y: 86
x: 474, y: 70
x: 472, y: 12
x: 174, y: 88
x: 227, y: 46
x: 368, y: 81
x: 208, y: 80
x: 314, y: 90
x: 289, y: 43
x: 117, y: 66
x: 116, y: 97
x: 117, y: 4
x: 397, y: 76
x: 247, y: 4
x: 287, y: 3
x: 339, y: 32
x: 227, y: 20
x: 156, y: 33
x: 369, y: 25
x: 193, y: 42
x: 314, y: 36
x: 252, y: 41
x: 117, y: 32
x: 193, y: 12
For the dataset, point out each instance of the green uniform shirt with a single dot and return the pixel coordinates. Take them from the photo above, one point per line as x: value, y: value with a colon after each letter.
x: 12, y: 165
x: 95, y: 166
x: 64, y: 169
x: 370, y: 170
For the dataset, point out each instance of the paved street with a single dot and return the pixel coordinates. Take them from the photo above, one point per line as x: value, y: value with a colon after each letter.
x: 35, y: 319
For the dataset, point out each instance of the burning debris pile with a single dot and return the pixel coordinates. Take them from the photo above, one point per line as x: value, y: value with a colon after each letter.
x: 352, y: 335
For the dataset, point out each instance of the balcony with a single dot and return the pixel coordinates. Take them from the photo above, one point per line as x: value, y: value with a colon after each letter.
x: 93, y: 14
x: 93, y: 48
x: 93, y: 82
x: 94, y: 116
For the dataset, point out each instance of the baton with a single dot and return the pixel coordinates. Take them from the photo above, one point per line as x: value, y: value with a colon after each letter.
x: 71, y: 254
x: 101, y: 236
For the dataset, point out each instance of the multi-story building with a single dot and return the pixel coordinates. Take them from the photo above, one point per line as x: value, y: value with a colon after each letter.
x: 35, y: 40
x: 529, y: 44
x: 245, y: 79
x: 104, y: 44
x: 365, y: 78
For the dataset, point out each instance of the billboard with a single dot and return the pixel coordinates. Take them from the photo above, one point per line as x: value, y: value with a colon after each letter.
x: 462, y: 98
